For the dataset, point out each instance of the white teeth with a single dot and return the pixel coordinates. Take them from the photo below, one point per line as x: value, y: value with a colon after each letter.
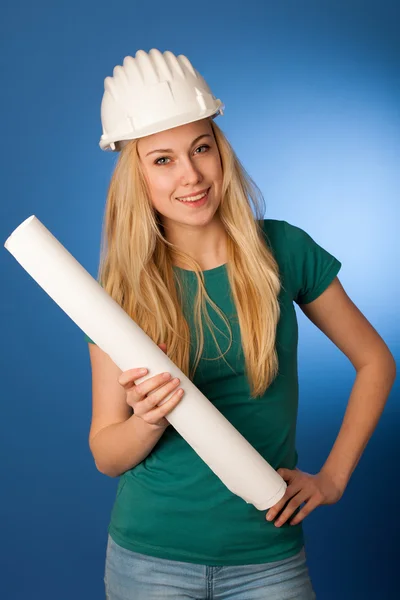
x: 193, y: 198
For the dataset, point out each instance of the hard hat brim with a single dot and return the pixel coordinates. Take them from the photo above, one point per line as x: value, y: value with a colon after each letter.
x: 110, y: 143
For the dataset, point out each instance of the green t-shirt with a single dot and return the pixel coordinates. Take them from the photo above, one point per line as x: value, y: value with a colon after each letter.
x: 171, y: 505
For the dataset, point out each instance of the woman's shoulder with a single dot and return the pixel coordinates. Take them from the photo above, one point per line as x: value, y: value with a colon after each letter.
x: 277, y: 226
x: 275, y: 233
x: 272, y: 225
x: 308, y: 266
x: 281, y: 234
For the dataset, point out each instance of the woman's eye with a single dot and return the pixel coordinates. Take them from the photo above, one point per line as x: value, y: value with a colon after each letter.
x: 165, y: 158
x: 157, y: 162
x: 203, y: 146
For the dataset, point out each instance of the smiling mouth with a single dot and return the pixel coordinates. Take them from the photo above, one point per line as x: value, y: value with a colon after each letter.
x: 194, y: 199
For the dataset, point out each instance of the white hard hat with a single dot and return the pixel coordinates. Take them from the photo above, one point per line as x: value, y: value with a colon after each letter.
x: 151, y: 93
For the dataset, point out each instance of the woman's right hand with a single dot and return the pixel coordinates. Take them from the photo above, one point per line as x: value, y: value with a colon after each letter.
x: 143, y: 402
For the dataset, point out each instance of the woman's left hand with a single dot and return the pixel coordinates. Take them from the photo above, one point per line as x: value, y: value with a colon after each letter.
x: 313, y: 490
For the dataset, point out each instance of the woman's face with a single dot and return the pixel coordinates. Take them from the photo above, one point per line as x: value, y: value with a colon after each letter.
x: 183, y: 161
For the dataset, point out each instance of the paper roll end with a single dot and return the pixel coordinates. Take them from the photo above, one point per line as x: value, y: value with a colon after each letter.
x: 21, y: 226
x: 275, y: 498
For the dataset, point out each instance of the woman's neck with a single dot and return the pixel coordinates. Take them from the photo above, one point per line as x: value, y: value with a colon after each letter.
x: 206, y: 245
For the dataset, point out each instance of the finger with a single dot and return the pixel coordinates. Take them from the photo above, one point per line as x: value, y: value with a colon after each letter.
x: 294, y: 503
x: 128, y: 378
x: 311, y: 505
x: 160, y: 394
x: 145, y: 404
x: 291, y: 490
x: 153, y: 416
x: 271, y: 514
x: 151, y: 384
x: 287, y: 474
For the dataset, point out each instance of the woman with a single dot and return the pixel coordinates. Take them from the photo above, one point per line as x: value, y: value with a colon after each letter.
x: 213, y: 285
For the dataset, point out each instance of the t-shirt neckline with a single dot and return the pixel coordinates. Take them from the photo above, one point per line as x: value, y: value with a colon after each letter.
x: 207, y: 272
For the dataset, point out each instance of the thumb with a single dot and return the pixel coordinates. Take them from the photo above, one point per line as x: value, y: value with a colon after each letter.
x: 286, y: 474
x: 163, y: 346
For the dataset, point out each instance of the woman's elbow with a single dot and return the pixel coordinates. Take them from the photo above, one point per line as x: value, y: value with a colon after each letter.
x: 106, y: 470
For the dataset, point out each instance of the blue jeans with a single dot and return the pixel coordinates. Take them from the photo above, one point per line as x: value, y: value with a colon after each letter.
x: 133, y: 576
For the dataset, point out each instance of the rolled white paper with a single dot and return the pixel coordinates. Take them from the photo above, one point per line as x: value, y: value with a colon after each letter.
x: 228, y: 454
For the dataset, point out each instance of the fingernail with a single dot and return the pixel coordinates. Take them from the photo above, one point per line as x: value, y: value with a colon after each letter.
x: 269, y: 517
x: 143, y: 371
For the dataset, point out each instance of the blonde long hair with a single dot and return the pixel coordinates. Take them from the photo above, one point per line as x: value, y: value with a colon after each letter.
x: 136, y: 267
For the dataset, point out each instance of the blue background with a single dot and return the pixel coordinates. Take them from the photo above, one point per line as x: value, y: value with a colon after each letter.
x: 312, y: 94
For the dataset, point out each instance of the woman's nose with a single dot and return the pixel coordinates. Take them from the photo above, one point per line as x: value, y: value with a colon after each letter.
x: 190, y: 175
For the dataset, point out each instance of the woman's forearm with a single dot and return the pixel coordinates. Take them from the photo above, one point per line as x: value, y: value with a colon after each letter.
x: 367, y: 400
x: 121, y: 446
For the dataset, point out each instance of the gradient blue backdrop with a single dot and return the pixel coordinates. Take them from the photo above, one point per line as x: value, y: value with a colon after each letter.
x: 312, y: 93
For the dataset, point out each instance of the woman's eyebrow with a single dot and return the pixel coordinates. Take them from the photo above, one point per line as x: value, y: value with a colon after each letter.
x: 170, y: 150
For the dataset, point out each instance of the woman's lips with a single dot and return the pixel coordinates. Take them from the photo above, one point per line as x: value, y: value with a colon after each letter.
x: 197, y: 203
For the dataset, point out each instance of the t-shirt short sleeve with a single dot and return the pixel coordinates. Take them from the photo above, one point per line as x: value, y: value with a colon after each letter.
x: 311, y: 267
